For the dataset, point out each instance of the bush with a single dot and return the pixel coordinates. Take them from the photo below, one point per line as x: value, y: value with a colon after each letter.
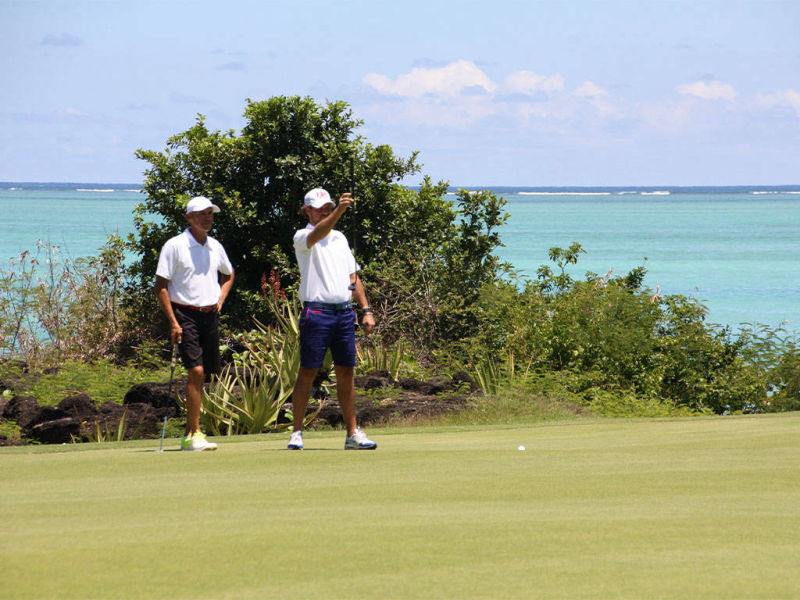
x: 613, y: 337
x: 775, y: 353
x: 53, y: 308
x: 426, y: 289
x: 259, y: 178
x: 425, y: 257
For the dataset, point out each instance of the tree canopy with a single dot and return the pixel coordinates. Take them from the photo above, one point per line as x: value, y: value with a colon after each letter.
x: 413, y: 241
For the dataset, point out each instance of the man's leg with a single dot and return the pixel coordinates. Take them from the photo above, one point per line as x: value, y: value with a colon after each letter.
x: 345, y: 390
x: 194, y: 397
x: 345, y: 393
x: 301, y: 394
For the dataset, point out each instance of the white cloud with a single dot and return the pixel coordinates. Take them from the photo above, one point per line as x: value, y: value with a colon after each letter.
x: 590, y: 90
x: 446, y: 81
x: 459, y: 94
x: 528, y: 82
x: 790, y: 98
x: 708, y: 90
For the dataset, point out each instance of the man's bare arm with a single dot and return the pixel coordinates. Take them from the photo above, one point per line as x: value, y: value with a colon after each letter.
x: 226, y: 283
x: 360, y: 296
x: 325, y: 226
x: 162, y: 294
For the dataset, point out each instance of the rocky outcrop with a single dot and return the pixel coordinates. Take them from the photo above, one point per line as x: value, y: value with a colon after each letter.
x: 379, y: 400
x: 406, y: 399
x: 160, y: 396
x: 78, y: 418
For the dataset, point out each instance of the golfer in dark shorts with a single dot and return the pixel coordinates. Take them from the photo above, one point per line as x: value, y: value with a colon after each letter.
x: 328, y: 285
x: 193, y: 279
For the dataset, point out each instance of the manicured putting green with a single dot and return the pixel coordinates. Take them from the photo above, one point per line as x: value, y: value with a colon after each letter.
x: 684, y: 508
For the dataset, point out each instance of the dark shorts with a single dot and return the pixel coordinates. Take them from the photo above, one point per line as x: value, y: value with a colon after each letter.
x: 200, y: 343
x: 323, y: 328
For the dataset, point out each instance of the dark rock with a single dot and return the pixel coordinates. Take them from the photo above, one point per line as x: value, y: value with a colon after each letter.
x: 141, y: 420
x: 415, y: 385
x: 3, y: 402
x: 111, y: 411
x: 79, y: 405
x: 407, y: 407
x: 51, y: 413
x: 374, y: 379
x: 440, y: 384
x: 57, y: 431
x: 22, y: 409
x: 157, y: 395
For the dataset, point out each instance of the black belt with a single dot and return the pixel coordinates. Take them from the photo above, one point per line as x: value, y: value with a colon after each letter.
x: 329, y: 306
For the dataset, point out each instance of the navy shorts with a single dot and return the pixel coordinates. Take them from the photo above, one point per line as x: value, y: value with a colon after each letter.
x: 323, y: 328
x: 200, y: 339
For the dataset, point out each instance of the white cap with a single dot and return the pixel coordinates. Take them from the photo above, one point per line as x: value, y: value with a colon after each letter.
x: 317, y: 198
x: 199, y: 204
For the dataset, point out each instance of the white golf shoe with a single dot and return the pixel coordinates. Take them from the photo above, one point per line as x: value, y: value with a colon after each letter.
x: 359, y: 441
x: 296, y: 440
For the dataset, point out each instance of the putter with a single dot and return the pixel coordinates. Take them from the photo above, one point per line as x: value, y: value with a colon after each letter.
x: 169, y: 395
x: 352, y: 286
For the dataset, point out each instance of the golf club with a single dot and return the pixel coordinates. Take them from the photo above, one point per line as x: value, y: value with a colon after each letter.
x: 353, y: 191
x: 169, y: 394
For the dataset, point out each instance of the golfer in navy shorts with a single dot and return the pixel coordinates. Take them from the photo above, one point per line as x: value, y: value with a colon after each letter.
x: 328, y: 284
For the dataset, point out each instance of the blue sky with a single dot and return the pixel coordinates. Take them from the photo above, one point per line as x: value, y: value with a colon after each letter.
x: 490, y: 93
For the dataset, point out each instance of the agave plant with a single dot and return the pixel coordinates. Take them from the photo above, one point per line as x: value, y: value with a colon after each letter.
x: 247, y: 396
x: 107, y: 432
x: 375, y: 356
x: 487, y: 374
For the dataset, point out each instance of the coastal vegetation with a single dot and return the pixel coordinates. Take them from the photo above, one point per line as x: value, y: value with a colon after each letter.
x: 444, y: 302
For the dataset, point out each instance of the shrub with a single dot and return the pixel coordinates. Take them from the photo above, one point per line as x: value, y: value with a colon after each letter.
x: 425, y: 257
x: 613, y: 335
x: 54, y: 307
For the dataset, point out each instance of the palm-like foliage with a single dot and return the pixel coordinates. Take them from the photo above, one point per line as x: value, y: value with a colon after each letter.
x: 248, y: 395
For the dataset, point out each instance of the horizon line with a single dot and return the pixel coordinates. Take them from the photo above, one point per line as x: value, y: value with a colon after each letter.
x: 473, y: 186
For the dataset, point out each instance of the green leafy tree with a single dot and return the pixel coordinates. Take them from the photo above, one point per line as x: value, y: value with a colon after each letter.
x: 427, y: 280
x: 426, y: 256
x: 259, y: 177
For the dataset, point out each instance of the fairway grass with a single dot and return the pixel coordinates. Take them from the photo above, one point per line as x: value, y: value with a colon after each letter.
x: 673, y: 508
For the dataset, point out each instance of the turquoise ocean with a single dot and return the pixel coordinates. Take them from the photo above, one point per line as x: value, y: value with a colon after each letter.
x: 736, y: 249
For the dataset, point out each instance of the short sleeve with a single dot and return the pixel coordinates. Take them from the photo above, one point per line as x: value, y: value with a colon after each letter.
x: 301, y: 240
x: 164, y: 268
x: 225, y: 267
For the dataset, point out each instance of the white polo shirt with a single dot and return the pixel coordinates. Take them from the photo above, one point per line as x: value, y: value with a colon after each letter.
x: 191, y: 268
x: 325, y: 268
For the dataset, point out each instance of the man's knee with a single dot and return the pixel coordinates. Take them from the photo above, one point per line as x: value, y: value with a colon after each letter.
x: 196, y: 375
x: 344, y: 371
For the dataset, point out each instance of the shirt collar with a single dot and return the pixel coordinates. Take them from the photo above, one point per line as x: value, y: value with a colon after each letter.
x: 193, y: 242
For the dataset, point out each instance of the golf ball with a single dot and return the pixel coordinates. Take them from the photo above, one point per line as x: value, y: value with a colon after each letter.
x: 521, y: 448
